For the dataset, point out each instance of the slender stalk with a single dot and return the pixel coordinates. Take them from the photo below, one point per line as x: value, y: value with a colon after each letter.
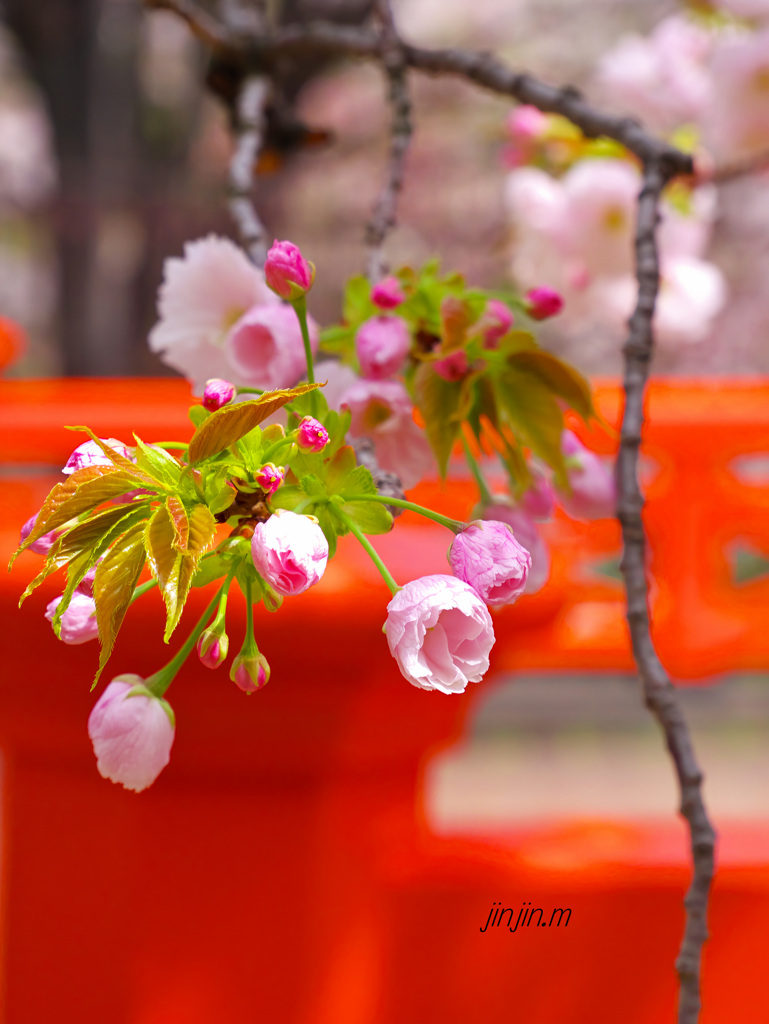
x: 367, y: 546
x: 475, y: 469
x: 142, y: 590
x: 384, y: 499
x: 162, y: 679
x: 300, y: 308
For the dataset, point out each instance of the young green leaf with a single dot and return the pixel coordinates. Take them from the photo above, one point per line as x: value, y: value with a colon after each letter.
x: 339, y: 467
x: 438, y: 401
x: 370, y: 516
x: 228, y: 424
x: 561, y: 378
x: 157, y: 463
x: 534, y: 416
x: 116, y: 577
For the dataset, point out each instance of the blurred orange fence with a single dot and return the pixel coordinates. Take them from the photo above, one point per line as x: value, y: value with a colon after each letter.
x: 281, y: 868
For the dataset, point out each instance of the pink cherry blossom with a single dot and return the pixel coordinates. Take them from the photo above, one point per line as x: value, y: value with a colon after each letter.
x: 598, y: 230
x: 663, y: 78
x: 265, y: 347
x: 440, y: 633
x: 382, y: 411
x: 527, y: 534
x: 78, y: 623
x: 311, y: 435
x: 538, y: 501
x: 203, y: 294
x: 132, y: 732
x: 752, y: 9
x: 496, y: 321
x: 290, y: 551
x: 592, y: 489
x: 487, y: 557
x: 287, y: 272
x: 217, y: 393
x: 90, y: 454
x: 382, y: 344
x: 738, y: 121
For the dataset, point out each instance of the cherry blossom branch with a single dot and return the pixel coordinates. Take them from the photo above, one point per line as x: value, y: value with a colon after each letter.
x: 383, y: 216
x: 659, y: 693
x: 249, y: 131
x: 202, y: 25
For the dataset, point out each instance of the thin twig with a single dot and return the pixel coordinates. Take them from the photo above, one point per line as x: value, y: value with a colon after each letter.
x: 202, y: 25
x: 737, y: 168
x: 659, y: 694
x: 249, y: 134
x: 384, y: 214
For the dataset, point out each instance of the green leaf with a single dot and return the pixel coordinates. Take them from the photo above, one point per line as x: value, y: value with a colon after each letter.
x: 561, y: 378
x: 330, y: 526
x: 198, y: 413
x: 339, y: 467
x: 359, y: 481
x: 455, y: 321
x: 312, y: 486
x: 116, y: 577
x: 211, y: 569
x: 534, y: 416
x: 303, y: 406
x: 79, y: 493
x: 228, y: 424
x: 370, y: 516
x: 157, y: 463
x: 357, y: 305
x: 438, y: 401
x: 288, y: 496
x: 338, y: 340
x: 118, y: 461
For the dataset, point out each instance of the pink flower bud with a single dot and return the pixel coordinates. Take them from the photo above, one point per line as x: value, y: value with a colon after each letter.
x: 440, y: 633
x: 212, y: 647
x: 43, y: 544
x: 290, y: 552
x: 592, y: 490
x: 539, y: 500
x: 453, y: 367
x: 270, y: 477
x: 287, y: 272
x: 217, y: 393
x: 526, y: 124
x: 497, y: 320
x: 528, y: 535
x: 78, y: 623
x: 85, y: 586
x: 132, y: 732
x: 311, y: 436
x: 250, y: 672
x: 90, y: 454
x: 543, y: 302
x: 387, y: 293
x: 382, y: 344
x: 489, y: 559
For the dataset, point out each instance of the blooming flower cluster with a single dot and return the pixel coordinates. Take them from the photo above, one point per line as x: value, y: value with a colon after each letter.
x: 422, y: 345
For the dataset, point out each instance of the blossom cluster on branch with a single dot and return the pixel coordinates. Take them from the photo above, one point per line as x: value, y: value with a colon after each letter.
x: 416, y: 344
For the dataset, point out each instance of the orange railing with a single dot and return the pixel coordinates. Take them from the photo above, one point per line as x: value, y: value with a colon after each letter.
x: 281, y: 868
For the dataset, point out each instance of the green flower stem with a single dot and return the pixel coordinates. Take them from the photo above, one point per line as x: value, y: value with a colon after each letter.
x: 475, y: 469
x: 162, y: 679
x: 142, y: 590
x: 249, y: 647
x: 451, y: 524
x: 249, y: 391
x: 221, y: 611
x: 300, y: 308
x: 282, y: 443
x: 367, y: 545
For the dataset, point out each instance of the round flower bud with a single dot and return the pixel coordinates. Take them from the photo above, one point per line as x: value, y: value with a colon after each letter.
x: 250, y: 672
x: 528, y: 535
x: 217, y: 393
x: 90, y: 454
x: 290, y: 551
x: 543, y: 302
x: 212, y: 647
x: 287, y: 272
x: 43, y: 544
x: 497, y: 320
x: 311, y: 435
x: 78, y: 623
x: 269, y: 477
x: 440, y: 633
x: 382, y: 344
x: 453, y: 367
x: 387, y: 293
x: 488, y: 558
x: 132, y: 732
x: 592, y: 492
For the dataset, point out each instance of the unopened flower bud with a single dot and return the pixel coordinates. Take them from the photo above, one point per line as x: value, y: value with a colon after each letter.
x: 287, y: 272
x: 453, y: 367
x: 290, y: 552
x: 497, y: 320
x: 527, y: 124
x: 78, y: 623
x: 90, y: 454
x: 387, y: 293
x: 270, y: 477
x: 543, y: 302
x: 487, y: 557
x: 217, y: 393
x: 212, y: 647
x: 311, y: 436
x: 250, y: 672
x: 43, y: 544
x: 592, y: 492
